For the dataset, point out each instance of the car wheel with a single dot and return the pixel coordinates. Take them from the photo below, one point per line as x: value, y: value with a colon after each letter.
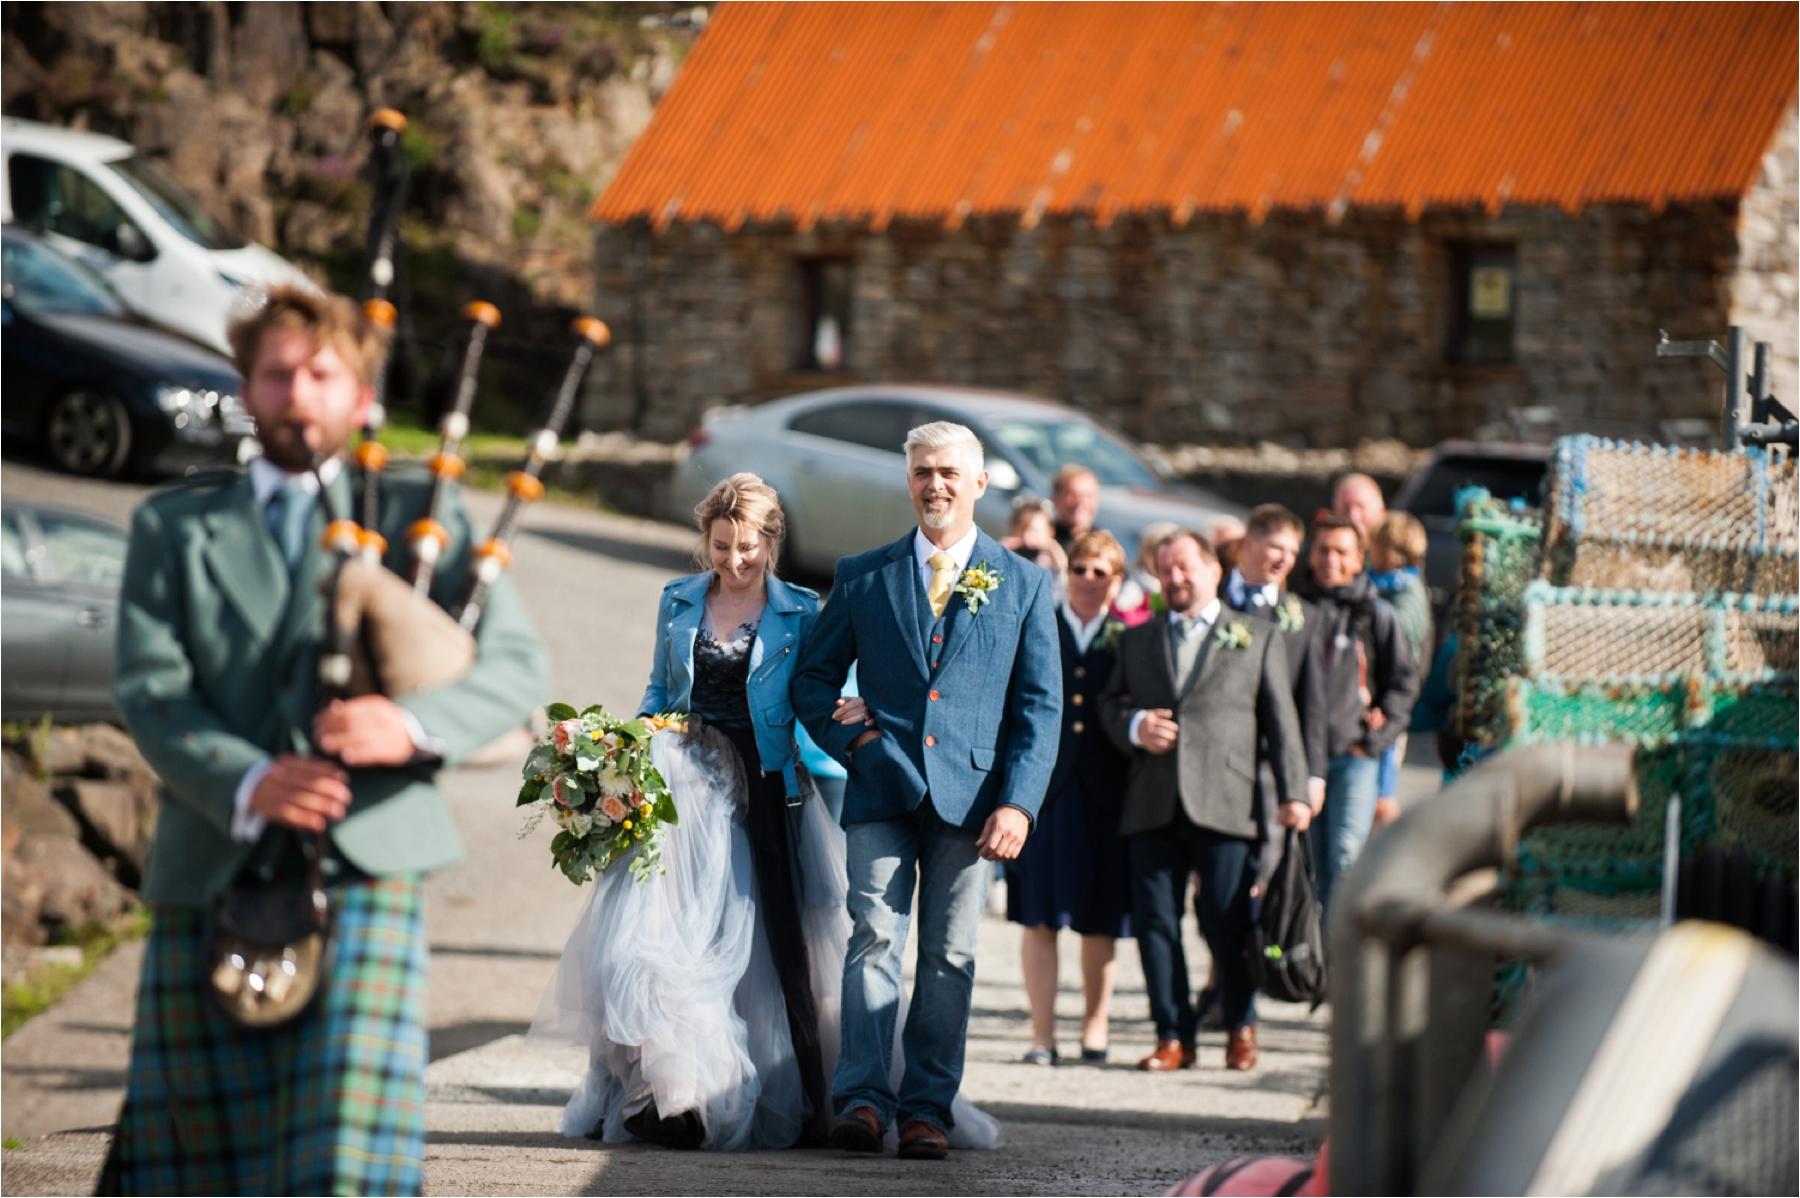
x: 88, y: 432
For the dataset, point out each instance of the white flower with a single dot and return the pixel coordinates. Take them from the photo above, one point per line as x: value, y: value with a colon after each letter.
x: 609, y: 742
x: 612, y: 782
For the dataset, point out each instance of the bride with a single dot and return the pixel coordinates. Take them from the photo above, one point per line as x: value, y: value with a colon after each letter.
x: 708, y: 997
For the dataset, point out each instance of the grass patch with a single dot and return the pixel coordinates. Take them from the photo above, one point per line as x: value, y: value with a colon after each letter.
x: 406, y: 434
x: 12, y: 1142
x: 22, y: 1000
x: 31, y: 739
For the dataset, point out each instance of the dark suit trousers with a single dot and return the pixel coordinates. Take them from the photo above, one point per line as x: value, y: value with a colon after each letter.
x: 1160, y: 864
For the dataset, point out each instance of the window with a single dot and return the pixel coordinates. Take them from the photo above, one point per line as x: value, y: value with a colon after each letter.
x: 41, y: 280
x: 82, y: 551
x: 1483, y: 304
x: 1049, y: 445
x: 12, y: 550
x: 55, y: 198
x: 823, y: 338
x: 872, y: 425
x: 175, y: 205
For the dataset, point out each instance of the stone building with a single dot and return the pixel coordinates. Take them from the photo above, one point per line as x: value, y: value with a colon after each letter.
x: 1304, y: 223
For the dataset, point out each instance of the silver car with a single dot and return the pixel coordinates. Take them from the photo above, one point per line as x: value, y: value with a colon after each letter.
x: 835, y: 458
x: 60, y: 573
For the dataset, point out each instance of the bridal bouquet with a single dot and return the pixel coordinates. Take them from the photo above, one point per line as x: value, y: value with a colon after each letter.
x: 592, y: 773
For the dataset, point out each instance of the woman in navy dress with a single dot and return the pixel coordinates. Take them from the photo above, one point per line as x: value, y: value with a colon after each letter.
x: 1072, y: 873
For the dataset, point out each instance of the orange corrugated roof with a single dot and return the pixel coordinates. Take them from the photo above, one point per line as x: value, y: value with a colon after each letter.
x: 857, y: 112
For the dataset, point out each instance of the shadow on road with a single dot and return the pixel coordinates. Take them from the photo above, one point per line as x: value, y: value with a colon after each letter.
x: 461, y: 1037
x: 661, y: 557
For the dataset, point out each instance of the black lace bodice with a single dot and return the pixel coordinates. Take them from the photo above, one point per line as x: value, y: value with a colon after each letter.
x: 722, y: 677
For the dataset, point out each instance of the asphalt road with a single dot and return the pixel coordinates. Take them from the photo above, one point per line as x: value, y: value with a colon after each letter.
x: 498, y: 922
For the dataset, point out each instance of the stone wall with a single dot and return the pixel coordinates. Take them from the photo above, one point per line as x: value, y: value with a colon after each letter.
x: 1294, y: 329
x: 1763, y: 289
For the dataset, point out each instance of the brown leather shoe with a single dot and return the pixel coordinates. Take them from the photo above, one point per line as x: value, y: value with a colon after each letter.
x: 857, y: 1130
x: 922, y: 1141
x: 1169, y: 1056
x: 1240, y: 1049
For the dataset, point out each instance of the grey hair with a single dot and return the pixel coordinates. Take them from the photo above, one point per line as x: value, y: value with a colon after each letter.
x: 943, y: 434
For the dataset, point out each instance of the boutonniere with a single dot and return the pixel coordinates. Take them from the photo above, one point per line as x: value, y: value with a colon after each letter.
x: 1109, y: 635
x: 1235, y: 635
x: 977, y: 585
x: 1289, y: 615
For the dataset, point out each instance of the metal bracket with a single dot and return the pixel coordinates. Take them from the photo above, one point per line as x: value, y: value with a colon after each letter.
x: 1752, y: 415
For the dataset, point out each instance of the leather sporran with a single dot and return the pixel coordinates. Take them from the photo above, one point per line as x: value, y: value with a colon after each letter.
x: 269, y: 948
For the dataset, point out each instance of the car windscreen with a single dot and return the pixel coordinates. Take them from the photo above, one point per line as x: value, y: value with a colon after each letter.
x: 1506, y: 479
x: 40, y: 280
x: 174, y: 205
x: 1050, y: 444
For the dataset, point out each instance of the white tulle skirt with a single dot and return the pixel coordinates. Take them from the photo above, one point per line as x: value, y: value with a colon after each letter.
x: 670, y: 985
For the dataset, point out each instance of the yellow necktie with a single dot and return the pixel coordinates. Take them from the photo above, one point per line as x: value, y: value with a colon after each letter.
x: 943, y: 581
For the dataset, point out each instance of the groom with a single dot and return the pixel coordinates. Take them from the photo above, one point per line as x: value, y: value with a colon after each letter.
x: 955, y: 643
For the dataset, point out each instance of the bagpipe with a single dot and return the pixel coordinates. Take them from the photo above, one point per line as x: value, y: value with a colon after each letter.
x: 385, y: 634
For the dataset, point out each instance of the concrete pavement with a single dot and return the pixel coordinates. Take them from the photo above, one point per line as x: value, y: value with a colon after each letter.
x: 497, y: 924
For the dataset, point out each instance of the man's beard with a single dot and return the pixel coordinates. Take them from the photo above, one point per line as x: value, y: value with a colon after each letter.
x: 940, y: 518
x: 288, y: 446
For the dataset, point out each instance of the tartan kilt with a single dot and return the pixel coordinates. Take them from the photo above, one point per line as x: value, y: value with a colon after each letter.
x: 333, y: 1103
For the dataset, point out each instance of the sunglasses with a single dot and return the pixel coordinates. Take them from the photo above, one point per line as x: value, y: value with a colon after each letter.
x: 1090, y: 571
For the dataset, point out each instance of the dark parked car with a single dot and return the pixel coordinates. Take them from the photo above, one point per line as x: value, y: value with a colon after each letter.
x: 100, y: 390
x: 60, y: 572
x: 1507, y: 470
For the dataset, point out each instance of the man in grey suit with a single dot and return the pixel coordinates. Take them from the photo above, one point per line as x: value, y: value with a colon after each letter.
x: 1193, y: 695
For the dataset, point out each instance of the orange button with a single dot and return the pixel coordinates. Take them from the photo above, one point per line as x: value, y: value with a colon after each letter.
x: 1081, y: 671
x: 1078, y: 727
x: 934, y: 696
x: 937, y: 640
x: 1077, y: 699
x: 930, y: 741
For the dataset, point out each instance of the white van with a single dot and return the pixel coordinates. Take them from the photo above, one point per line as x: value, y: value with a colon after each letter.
x: 97, y: 199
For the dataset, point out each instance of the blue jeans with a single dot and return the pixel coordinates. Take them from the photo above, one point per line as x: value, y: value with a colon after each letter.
x: 883, y: 858
x: 1339, y: 832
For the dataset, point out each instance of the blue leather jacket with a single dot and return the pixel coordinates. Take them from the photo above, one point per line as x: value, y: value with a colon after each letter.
x: 788, y: 615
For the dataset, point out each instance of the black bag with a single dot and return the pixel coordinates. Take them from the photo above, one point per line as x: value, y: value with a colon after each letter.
x: 1287, y: 941
x: 269, y: 945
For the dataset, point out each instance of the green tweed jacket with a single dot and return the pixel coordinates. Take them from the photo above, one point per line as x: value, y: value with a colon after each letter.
x: 217, y: 656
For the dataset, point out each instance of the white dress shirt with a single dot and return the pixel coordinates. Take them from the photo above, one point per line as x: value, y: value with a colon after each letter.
x: 266, y: 480
x: 960, y: 553
x: 1239, y: 591
x: 1084, y: 633
x: 1202, y: 624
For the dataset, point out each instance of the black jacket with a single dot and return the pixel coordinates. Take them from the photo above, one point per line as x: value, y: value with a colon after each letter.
x: 1350, y: 616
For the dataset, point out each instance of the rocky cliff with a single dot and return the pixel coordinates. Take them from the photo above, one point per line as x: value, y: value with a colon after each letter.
x: 519, y: 115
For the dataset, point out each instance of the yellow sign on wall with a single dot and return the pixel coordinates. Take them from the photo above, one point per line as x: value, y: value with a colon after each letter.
x: 1490, y: 292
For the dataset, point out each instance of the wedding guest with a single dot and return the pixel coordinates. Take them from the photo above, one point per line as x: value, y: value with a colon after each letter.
x: 1370, y: 684
x: 1358, y: 499
x: 1075, y: 492
x: 1031, y: 533
x: 1192, y: 694
x: 1396, y: 562
x: 1072, y: 872
x: 1139, y: 598
x: 1227, y: 535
